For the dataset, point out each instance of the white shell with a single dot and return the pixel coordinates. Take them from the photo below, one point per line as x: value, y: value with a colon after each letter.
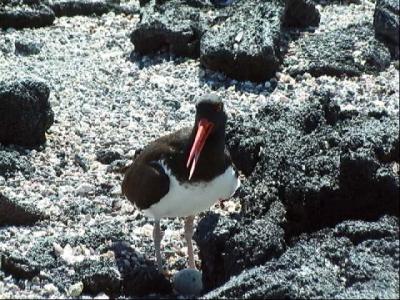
x: 185, y: 199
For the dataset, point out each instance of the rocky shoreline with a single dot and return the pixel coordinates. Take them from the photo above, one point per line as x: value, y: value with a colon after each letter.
x: 312, y: 92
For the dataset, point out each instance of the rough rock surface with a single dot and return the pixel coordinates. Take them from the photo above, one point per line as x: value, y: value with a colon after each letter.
x: 36, y: 15
x: 12, y: 161
x: 110, y: 269
x: 323, y: 162
x: 352, y: 50
x: 95, y: 244
x: 344, y: 262
x: 25, y: 112
x: 242, y: 39
x: 246, y: 46
x: 27, y: 47
x: 81, y: 7
x: 70, y: 8
x: 20, y: 14
x: 13, y: 213
x: 387, y: 24
x: 229, y: 244
x: 300, y: 13
x: 163, y: 25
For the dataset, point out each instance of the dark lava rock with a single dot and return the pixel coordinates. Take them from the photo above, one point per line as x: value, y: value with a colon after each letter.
x: 301, y: 13
x: 314, y: 169
x: 386, y: 24
x: 229, y: 245
x: 25, y: 47
x: 26, y: 16
x: 241, y: 38
x: 246, y: 46
x: 71, y: 8
x: 170, y: 25
x: 323, y: 168
x: 139, y: 277
x: 348, y: 51
x: 13, y: 213
x: 135, y: 275
x: 107, y: 156
x: 99, y: 276
x: 81, y: 161
x: 327, y: 264
x: 12, y: 162
x: 18, y: 266
x: 25, y: 112
x: 126, y: 272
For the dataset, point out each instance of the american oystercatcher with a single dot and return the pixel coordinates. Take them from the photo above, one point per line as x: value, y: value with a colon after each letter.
x: 184, y: 173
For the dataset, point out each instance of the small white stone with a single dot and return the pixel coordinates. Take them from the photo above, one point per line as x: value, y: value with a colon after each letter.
x: 84, y: 189
x: 101, y: 296
x: 86, y: 108
x: 239, y: 37
x: 69, y: 257
x: 58, y: 249
x: 76, y: 289
x: 50, y: 288
x: 36, y: 280
x: 348, y: 107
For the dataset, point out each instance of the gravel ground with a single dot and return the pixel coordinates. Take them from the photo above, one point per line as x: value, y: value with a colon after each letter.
x: 106, y: 98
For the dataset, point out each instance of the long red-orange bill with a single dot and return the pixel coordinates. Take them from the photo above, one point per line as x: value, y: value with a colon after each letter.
x: 203, y: 131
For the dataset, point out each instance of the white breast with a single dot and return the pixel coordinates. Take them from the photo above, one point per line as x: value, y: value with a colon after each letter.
x: 184, y: 199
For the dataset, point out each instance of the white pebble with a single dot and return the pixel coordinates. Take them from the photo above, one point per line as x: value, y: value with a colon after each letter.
x: 50, y: 288
x: 84, y: 189
x: 101, y: 296
x: 76, y: 289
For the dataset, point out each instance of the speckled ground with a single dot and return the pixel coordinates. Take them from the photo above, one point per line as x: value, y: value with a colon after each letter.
x: 105, y: 97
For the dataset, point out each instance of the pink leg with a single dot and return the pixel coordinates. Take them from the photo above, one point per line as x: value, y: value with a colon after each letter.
x: 188, y: 236
x: 157, y: 237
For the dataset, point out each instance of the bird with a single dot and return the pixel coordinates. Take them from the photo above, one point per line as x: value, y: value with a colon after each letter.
x: 184, y: 173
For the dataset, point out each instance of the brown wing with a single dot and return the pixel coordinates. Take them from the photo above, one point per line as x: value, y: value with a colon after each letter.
x: 145, y: 184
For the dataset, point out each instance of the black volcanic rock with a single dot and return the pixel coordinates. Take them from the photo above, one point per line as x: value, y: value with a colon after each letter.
x: 247, y: 45
x: 171, y: 25
x: 230, y: 244
x: 11, y: 162
x: 301, y: 13
x: 386, y: 24
x: 99, y: 276
x: 324, y: 166
x: 241, y: 38
x: 107, y: 156
x: 72, y: 8
x: 27, y: 47
x: 18, y: 266
x: 348, y: 51
x: 315, y: 168
x: 124, y: 272
x: 26, y: 16
x: 13, y: 213
x: 25, y: 112
x: 330, y: 263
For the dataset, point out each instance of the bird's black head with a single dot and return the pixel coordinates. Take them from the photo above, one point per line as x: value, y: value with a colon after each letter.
x: 209, y: 129
x: 211, y: 108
